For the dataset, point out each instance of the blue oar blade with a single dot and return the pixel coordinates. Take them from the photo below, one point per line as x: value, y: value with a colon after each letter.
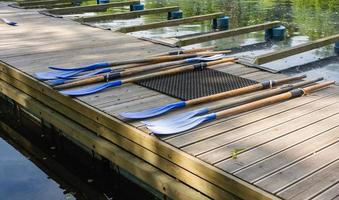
x: 8, y: 22
x: 55, y: 82
x: 177, y: 118
x: 90, y: 90
x: 153, y: 111
x: 85, y: 68
x: 205, y: 59
x: 54, y: 75
x: 181, y: 127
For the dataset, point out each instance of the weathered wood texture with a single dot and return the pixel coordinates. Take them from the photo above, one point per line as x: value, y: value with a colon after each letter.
x: 297, y: 49
x: 277, y: 143
x: 128, y: 15
x: 169, y: 23
x: 223, y: 34
x: 89, y: 8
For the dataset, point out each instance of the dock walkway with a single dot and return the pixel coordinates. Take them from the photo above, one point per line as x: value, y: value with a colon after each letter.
x: 286, y: 151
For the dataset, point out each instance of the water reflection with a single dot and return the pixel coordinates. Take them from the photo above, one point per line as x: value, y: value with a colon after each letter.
x: 21, y: 179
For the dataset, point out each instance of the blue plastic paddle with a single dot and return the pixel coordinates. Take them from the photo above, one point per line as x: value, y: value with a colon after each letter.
x: 94, y: 89
x: 227, y: 104
x: 8, y: 22
x: 164, y: 109
x: 196, y: 121
x: 69, y: 72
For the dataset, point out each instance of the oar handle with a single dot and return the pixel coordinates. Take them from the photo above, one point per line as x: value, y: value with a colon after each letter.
x: 319, y: 86
x: 224, y: 60
x: 289, y: 79
x: 271, y: 100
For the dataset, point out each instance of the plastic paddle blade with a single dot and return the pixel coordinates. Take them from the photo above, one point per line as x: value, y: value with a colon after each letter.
x: 177, y: 118
x: 54, y: 75
x: 181, y: 127
x: 205, y: 59
x: 153, y: 111
x: 85, y: 68
x: 91, y: 90
x: 55, y: 82
x: 11, y: 23
x: 100, y: 71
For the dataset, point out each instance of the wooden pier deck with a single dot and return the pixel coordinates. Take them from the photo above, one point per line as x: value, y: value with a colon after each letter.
x: 288, y: 150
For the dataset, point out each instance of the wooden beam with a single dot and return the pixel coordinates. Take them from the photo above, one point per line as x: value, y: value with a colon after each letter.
x: 174, y: 22
x: 50, y: 6
x: 128, y: 15
x: 90, y: 8
x: 39, y: 3
x: 295, y: 50
x: 142, y: 170
x: 149, y: 143
x: 171, y: 168
x: 225, y: 34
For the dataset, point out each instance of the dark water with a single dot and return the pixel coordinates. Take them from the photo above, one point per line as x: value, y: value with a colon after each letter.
x: 21, y: 179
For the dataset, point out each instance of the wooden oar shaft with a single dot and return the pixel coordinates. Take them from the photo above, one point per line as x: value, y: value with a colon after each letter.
x: 166, y: 58
x: 240, y: 91
x: 227, y: 103
x: 114, y: 75
x: 271, y: 100
x: 177, y: 70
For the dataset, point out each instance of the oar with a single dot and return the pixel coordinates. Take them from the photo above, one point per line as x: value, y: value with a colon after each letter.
x: 186, y: 51
x: 195, y: 121
x: 63, y: 84
x: 94, y: 89
x: 180, y: 104
x: 8, y: 22
x: 180, y: 118
x: 68, y: 72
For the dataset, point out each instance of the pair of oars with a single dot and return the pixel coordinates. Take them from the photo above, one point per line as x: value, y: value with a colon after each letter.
x: 8, y: 22
x: 100, y: 87
x: 226, y: 103
x: 105, y: 67
x: 63, y: 84
x: 223, y: 95
x: 196, y: 121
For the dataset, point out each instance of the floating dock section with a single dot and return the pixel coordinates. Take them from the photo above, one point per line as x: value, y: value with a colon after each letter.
x: 287, y: 150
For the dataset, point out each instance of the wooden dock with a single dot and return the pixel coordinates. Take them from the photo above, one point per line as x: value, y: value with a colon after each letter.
x: 286, y: 151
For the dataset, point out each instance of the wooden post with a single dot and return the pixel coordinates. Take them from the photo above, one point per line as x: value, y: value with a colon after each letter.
x: 173, y: 22
x: 297, y: 49
x: 224, y: 34
x: 90, y: 8
x: 128, y: 15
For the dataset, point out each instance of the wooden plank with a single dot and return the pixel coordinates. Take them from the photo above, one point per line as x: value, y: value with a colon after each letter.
x: 213, y: 129
x: 268, y: 128
x: 50, y: 6
x: 193, y: 165
x: 314, y: 184
x: 37, y: 3
x: 296, y: 49
x: 285, y: 178
x: 330, y: 194
x: 169, y: 23
x: 287, y: 149
x: 128, y: 15
x: 171, y: 168
x: 224, y: 34
x: 89, y: 8
x: 144, y: 171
